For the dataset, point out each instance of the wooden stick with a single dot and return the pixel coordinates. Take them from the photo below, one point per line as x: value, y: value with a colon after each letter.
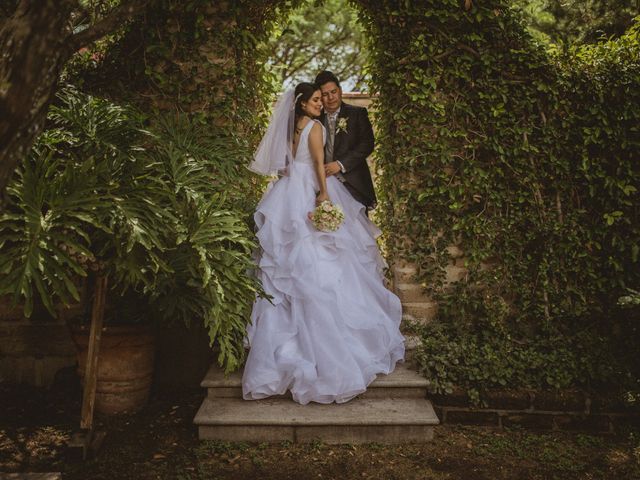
x: 91, y: 366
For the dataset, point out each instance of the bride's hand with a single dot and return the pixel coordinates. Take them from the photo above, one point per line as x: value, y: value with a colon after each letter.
x: 321, y: 197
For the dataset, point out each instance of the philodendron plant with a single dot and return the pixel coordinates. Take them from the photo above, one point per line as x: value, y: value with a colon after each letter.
x: 154, y: 208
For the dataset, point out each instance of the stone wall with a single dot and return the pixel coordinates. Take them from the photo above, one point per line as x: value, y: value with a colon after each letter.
x: 545, y: 410
x: 33, y: 351
x: 417, y: 306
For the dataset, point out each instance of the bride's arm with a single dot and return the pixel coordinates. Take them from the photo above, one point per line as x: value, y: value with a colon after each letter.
x: 316, y: 148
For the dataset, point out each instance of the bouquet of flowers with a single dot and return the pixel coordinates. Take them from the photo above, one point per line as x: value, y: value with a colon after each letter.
x: 327, y: 217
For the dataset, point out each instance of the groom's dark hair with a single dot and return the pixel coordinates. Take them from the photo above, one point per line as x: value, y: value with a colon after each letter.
x: 325, y: 77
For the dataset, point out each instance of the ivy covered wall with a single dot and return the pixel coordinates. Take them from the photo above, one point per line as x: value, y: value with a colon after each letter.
x: 488, y: 146
x: 524, y: 160
x: 178, y: 101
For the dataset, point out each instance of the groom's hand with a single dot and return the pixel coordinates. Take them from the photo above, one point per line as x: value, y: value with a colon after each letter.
x: 331, y: 168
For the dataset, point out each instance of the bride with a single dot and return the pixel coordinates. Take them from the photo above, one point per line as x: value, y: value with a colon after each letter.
x: 331, y: 326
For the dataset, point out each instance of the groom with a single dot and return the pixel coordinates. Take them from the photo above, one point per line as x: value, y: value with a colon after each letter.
x: 349, y: 141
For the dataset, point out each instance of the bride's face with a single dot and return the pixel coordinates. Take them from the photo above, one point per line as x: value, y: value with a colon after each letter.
x: 313, y: 107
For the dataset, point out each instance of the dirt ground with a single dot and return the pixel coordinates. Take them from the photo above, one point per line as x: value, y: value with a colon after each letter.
x: 161, y: 443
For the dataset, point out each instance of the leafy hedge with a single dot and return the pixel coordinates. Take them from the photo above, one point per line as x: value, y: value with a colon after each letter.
x: 206, y: 59
x: 197, y: 70
x: 525, y: 159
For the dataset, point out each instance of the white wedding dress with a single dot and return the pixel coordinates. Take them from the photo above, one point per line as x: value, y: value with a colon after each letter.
x: 332, y: 326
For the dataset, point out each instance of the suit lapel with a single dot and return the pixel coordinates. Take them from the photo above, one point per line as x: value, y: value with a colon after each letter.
x: 344, y: 113
x: 323, y: 120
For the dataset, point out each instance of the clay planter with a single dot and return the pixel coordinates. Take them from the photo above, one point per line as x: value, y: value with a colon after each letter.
x: 125, y: 366
x: 8, y: 311
x: 11, y: 312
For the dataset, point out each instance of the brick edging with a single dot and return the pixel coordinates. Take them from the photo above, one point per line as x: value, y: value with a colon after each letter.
x: 538, y: 420
x: 571, y: 410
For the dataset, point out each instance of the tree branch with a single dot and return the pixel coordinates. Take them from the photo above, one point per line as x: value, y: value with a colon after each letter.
x: 107, y: 25
x: 317, y: 53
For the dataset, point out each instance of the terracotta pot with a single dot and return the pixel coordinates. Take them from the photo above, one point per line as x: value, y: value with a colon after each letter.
x: 8, y: 311
x: 125, y: 366
x: 11, y: 312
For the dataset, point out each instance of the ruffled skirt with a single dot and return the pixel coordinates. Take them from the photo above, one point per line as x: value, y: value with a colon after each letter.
x: 331, y: 326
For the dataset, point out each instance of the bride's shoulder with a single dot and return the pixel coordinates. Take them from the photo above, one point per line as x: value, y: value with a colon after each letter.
x: 317, y: 126
x: 317, y: 132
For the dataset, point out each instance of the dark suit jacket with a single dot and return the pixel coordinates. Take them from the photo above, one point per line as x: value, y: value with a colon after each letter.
x: 352, y: 148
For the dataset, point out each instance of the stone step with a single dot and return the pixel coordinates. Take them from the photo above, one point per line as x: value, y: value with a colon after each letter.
x: 403, y: 382
x: 31, y: 476
x: 421, y: 312
x: 411, y: 342
x: 381, y: 420
x: 411, y: 293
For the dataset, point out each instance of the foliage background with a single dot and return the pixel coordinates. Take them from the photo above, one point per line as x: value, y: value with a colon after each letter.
x: 187, y: 84
x: 578, y: 21
x: 319, y: 36
x: 155, y: 203
x: 528, y: 161
x: 524, y: 156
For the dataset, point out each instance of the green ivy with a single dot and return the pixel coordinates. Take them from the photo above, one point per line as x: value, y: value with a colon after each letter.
x: 525, y: 159
x: 487, y: 359
x: 198, y: 68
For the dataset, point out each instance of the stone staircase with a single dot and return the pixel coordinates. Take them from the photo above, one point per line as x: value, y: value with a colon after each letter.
x: 394, y: 409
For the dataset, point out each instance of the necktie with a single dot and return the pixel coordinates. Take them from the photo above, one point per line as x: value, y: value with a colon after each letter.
x: 331, y: 119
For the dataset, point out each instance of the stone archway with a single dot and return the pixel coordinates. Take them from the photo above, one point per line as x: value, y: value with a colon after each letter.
x: 422, y: 76
x: 462, y: 85
x: 471, y: 120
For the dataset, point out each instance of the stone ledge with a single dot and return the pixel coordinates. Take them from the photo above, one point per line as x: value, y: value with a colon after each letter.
x: 573, y: 410
x: 404, y: 376
x: 350, y: 434
x: 586, y: 423
x: 470, y: 417
x: 573, y: 400
x: 541, y: 421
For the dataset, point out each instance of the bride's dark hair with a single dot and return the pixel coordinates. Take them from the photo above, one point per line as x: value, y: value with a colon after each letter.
x: 303, y: 92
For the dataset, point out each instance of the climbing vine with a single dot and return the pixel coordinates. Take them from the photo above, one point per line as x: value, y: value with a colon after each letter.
x: 195, y: 71
x: 525, y: 160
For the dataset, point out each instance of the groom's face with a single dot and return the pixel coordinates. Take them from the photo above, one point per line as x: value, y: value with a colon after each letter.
x: 331, y: 96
